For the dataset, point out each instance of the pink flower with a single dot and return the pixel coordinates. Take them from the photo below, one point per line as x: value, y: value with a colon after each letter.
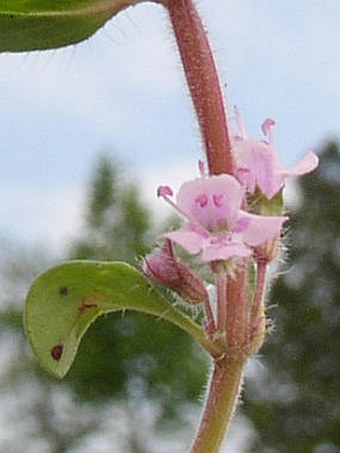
x: 259, y: 165
x: 217, y: 227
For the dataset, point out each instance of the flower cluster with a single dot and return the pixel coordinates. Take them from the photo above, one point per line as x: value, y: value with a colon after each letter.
x: 215, y: 208
x: 225, y: 221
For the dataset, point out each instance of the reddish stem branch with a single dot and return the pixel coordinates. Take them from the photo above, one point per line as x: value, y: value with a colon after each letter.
x: 210, y: 325
x: 221, y: 287
x: 237, y: 307
x: 260, y: 287
x: 201, y: 74
x: 205, y: 90
x: 220, y: 404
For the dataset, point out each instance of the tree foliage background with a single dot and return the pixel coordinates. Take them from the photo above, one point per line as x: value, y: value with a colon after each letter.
x: 127, y: 364
x: 136, y: 374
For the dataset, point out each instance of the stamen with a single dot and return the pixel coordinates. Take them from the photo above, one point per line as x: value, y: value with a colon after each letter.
x: 267, y: 129
x: 201, y: 168
x: 164, y: 191
x: 239, y: 123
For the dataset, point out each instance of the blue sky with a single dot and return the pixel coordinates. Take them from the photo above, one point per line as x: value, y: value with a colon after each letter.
x: 123, y: 90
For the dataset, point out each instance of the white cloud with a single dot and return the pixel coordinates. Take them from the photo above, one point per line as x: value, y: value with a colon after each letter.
x: 54, y: 217
x: 80, y: 76
x: 51, y: 217
x: 125, y: 87
x: 155, y: 175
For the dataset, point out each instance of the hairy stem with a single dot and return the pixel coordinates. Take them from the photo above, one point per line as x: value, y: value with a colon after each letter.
x: 258, y: 325
x: 205, y: 89
x: 209, y: 316
x: 221, y: 285
x: 232, y: 308
x: 260, y: 288
x: 237, y: 308
x: 222, y: 396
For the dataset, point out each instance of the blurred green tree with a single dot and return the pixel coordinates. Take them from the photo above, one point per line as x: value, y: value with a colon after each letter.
x: 294, y: 403
x: 127, y: 360
x: 124, y: 352
x: 117, y: 222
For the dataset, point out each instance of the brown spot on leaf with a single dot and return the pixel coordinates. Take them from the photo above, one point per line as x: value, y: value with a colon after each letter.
x: 64, y: 291
x: 86, y: 306
x: 57, y: 351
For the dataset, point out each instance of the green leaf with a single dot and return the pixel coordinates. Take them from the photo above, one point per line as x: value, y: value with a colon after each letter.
x: 65, y: 300
x: 48, y: 24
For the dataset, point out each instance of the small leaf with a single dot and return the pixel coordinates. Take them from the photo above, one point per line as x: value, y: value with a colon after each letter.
x: 49, y: 24
x: 64, y: 301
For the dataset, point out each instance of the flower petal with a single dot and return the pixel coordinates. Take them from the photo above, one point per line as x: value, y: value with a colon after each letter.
x: 211, y: 202
x: 259, y: 165
x: 224, y: 250
x: 190, y: 238
x: 213, y: 247
x: 307, y: 164
x: 260, y: 228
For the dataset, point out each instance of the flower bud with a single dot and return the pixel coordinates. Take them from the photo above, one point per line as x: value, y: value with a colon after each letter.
x: 166, y: 269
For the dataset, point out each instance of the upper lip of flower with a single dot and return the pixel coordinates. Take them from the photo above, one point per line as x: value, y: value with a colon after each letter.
x: 258, y: 163
x: 216, y: 224
x: 211, y: 203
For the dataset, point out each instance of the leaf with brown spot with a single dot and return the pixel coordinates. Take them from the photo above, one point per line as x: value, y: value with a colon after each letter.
x: 55, y: 325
